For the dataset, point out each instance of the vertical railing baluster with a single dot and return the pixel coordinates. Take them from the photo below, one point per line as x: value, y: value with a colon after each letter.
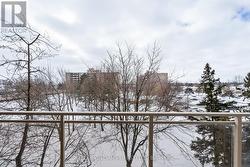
x: 150, y: 140
x: 238, y: 142
x: 62, y: 141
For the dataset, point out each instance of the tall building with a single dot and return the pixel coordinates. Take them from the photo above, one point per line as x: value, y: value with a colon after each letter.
x: 3, y: 83
x: 101, y: 76
x: 155, y: 83
x: 73, y: 78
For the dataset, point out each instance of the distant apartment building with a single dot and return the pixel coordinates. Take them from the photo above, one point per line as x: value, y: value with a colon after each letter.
x: 3, y: 83
x: 101, y: 76
x: 73, y: 78
x: 154, y: 82
x: 98, y: 82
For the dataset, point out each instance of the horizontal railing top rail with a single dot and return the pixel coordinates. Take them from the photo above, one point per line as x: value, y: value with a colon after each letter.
x: 98, y: 113
x: 237, y: 123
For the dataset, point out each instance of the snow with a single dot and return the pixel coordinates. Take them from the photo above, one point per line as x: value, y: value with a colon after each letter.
x: 110, y: 154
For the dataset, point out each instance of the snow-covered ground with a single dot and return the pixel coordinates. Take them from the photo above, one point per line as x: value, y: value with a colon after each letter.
x: 110, y: 154
x: 193, y: 99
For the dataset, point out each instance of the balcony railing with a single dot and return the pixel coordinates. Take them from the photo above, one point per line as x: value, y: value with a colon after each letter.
x: 235, y: 120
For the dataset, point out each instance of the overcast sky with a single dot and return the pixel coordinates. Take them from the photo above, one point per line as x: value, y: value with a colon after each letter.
x: 190, y: 32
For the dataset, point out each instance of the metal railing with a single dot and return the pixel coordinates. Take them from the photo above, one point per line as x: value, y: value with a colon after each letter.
x: 235, y: 119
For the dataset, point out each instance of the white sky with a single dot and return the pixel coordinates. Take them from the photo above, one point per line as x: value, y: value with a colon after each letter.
x: 190, y: 32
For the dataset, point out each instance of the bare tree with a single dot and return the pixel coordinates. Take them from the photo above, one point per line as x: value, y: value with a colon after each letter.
x: 23, y: 50
x: 135, y: 86
x: 60, y: 98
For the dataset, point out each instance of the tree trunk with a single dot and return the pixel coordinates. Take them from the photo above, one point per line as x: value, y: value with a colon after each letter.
x: 29, y: 82
x: 128, y: 163
x: 22, y: 147
x: 216, y: 150
x: 26, y: 128
x: 45, y: 146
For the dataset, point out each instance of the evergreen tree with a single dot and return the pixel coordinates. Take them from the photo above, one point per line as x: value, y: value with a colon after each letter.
x: 212, y: 88
x: 246, y: 92
x: 246, y: 129
x: 214, y: 140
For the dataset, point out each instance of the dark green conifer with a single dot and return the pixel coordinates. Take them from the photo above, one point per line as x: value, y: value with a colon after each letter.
x: 212, y: 146
x: 246, y: 92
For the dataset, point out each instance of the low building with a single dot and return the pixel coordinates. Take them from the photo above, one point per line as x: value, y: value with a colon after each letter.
x: 154, y: 82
